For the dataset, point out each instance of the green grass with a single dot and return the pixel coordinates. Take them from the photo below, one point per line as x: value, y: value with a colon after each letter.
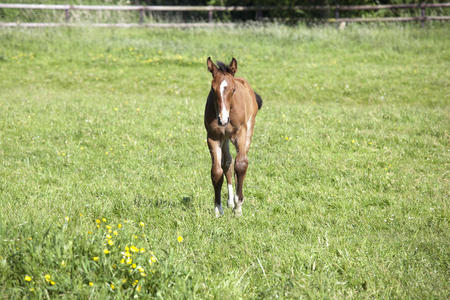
x: 348, y: 181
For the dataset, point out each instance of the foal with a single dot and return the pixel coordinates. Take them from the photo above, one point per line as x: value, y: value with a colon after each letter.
x: 230, y: 114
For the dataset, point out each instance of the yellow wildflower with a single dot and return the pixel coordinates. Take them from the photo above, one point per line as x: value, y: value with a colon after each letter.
x: 122, y: 261
x: 108, y: 227
x: 27, y: 278
x: 134, y: 249
x: 124, y: 280
x: 138, y: 288
x: 106, y: 251
x: 135, y: 282
x: 179, y: 239
x: 115, y: 232
x: 91, y: 283
x: 104, y: 220
x: 52, y: 282
x: 133, y: 266
x: 95, y: 258
x: 47, y: 277
x: 98, y: 221
x: 142, y: 250
x: 110, y: 242
x: 67, y: 218
x: 129, y: 261
x: 153, y: 259
x: 141, y: 224
x: 63, y: 263
x: 119, y: 225
x: 112, y: 286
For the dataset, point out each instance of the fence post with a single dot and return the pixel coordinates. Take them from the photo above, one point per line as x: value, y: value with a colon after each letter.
x: 422, y: 14
x: 258, y: 14
x: 336, y: 15
x: 210, y: 15
x: 141, y: 16
x: 67, y: 14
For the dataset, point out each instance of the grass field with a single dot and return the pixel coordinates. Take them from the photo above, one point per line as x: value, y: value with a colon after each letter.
x: 347, y: 192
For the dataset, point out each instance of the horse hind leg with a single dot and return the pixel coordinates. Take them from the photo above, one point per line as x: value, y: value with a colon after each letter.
x: 227, y: 160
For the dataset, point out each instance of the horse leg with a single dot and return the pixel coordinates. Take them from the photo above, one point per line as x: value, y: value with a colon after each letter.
x: 227, y: 169
x: 240, y: 169
x: 215, y: 150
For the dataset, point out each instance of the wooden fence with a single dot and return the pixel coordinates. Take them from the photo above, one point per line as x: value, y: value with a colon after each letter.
x: 211, y: 9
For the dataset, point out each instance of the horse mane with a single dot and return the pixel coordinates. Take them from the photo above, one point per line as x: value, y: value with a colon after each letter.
x: 223, y: 67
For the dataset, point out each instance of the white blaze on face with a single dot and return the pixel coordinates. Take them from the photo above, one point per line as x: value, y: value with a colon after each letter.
x: 224, y: 114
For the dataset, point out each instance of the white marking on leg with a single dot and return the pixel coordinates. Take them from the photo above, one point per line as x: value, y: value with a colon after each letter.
x: 249, y: 133
x: 218, y: 210
x: 230, y: 196
x: 224, y: 113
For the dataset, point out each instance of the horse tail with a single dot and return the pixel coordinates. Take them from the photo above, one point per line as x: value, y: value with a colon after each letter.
x: 259, y: 101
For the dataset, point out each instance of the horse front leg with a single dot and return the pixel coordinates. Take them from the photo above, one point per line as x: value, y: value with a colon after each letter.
x: 228, y: 171
x: 215, y: 150
x: 240, y: 169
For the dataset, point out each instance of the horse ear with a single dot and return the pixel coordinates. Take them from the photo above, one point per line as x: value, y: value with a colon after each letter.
x: 233, y: 66
x: 211, y: 66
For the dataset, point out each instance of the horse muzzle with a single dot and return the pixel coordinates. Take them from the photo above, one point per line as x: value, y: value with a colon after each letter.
x: 223, y: 121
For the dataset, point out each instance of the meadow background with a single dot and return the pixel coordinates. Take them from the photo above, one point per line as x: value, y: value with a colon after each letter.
x: 105, y: 184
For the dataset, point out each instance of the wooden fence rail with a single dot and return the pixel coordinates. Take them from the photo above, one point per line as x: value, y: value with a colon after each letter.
x: 210, y: 9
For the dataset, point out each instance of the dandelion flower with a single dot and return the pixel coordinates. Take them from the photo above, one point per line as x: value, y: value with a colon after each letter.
x: 47, y: 277
x: 91, y: 283
x: 52, y: 282
x: 138, y: 288
x: 124, y: 280
x: 98, y: 221
x: 133, y: 266
x: 108, y: 227
x: 63, y: 263
x: 135, y: 282
x: 67, y: 218
x: 134, y: 249
x: 104, y: 220
x: 112, y: 286
x: 179, y: 239
x: 122, y: 261
x: 95, y: 258
x: 141, y: 224
x: 142, y: 250
x: 106, y: 251
x: 27, y: 278
x: 153, y: 259
x: 115, y: 232
x: 119, y: 225
x: 110, y: 242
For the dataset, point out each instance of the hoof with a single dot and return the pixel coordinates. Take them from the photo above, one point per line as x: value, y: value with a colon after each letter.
x: 218, y: 211
x: 237, y: 212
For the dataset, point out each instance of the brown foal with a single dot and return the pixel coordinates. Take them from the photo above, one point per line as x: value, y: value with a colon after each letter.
x: 230, y: 114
